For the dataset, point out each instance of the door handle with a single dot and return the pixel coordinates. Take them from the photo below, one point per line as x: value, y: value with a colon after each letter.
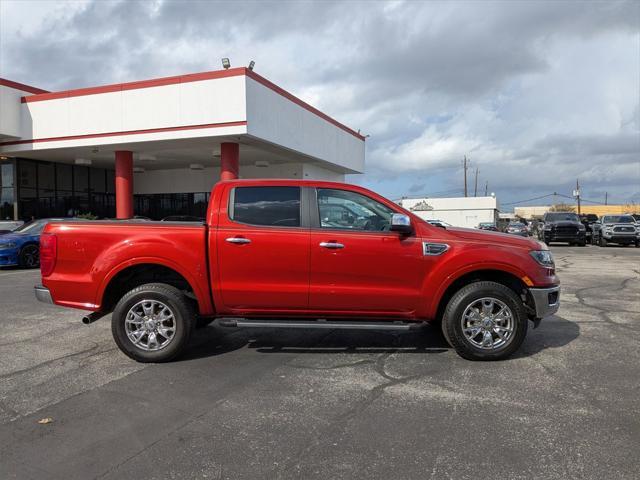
x: 331, y: 245
x: 238, y: 240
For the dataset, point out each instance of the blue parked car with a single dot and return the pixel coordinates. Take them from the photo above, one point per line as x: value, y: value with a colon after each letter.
x: 22, y: 246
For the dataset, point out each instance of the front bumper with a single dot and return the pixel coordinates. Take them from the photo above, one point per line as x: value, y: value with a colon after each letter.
x: 9, y: 257
x: 43, y: 294
x: 551, y: 236
x: 546, y: 300
x: 620, y: 238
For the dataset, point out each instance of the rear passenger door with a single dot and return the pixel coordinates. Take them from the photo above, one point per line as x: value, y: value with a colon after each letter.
x: 263, y: 249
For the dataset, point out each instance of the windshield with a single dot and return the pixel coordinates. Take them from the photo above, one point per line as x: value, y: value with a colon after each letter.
x: 560, y: 217
x: 33, y: 227
x: 618, y: 219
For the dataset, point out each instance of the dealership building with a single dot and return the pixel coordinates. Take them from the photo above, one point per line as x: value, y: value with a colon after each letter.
x: 467, y: 212
x: 156, y: 147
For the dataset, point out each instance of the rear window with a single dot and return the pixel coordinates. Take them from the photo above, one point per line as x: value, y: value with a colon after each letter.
x: 268, y: 206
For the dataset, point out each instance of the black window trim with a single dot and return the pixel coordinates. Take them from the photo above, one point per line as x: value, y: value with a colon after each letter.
x: 304, y: 208
x: 315, y: 215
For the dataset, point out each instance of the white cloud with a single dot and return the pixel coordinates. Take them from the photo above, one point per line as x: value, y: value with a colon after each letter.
x: 535, y: 93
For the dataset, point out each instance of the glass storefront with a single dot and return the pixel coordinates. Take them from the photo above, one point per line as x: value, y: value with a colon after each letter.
x: 46, y: 189
x: 7, y: 189
x: 161, y: 205
x: 38, y: 189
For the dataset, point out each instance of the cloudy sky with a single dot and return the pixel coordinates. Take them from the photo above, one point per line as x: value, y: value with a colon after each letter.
x: 536, y: 94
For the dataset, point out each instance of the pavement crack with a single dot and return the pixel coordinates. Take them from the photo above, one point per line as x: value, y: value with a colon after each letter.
x: 602, y: 312
x: 333, y: 367
x: 50, y: 362
x: 343, y: 419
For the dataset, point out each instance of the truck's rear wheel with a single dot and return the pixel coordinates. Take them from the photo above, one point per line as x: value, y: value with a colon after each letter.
x: 153, y: 322
x: 485, y: 321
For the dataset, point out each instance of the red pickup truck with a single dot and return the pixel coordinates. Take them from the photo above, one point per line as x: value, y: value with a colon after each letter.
x: 291, y: 253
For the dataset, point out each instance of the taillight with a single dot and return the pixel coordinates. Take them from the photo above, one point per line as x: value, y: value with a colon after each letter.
x: 48, y: 253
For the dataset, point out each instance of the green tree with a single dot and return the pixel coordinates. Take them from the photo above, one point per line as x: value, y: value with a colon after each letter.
x: 562, y: 207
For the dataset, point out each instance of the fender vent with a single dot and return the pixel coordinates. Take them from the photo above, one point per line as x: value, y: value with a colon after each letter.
x: 434, y: 248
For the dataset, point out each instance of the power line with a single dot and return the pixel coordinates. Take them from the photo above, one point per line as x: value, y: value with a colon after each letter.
x: 582, y: 199
x: 532, y: 199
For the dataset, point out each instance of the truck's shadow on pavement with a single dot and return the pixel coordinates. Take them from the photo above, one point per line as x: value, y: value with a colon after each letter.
x: 554, y: 332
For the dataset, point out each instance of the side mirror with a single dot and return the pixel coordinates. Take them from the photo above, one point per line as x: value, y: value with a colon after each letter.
x: 401, y: 223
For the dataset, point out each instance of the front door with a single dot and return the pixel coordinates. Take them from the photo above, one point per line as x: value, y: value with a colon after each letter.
x: 263, y: 250
x: 358, y: 266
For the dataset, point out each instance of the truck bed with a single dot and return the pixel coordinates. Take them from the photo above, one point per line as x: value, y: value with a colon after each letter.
x: 90, y: 254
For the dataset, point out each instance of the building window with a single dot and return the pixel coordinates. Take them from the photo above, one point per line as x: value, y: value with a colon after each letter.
x: 7, y: 201
x: 160, y: 205
x: 7, y: 190
x: 64, y: 177
x: 48, y: 189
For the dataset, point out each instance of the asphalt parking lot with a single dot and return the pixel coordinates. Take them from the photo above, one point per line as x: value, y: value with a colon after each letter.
x: 318, y: 404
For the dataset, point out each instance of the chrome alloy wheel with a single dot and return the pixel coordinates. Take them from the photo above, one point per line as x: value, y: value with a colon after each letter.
x: 488, y: 323
x: 150, y: 325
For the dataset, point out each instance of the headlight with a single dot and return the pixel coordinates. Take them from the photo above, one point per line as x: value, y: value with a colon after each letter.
x: 543, y: 257
x: 582, y: 228
x: 547, y: 227
x: 7, y: 246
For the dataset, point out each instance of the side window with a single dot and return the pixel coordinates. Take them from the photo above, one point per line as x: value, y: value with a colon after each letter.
x: 351, y: 211
x: 272, y: 206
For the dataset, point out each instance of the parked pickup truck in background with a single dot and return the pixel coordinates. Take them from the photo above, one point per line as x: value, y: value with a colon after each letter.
x: 563, y: 227
x: 286, y: 254
x: 620, y: 229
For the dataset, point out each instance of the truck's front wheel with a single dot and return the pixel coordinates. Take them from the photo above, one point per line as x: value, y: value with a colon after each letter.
x: 485, y: 321
x: 153, y: 322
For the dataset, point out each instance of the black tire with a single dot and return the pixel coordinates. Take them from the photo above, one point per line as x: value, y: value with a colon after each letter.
x: 183, y: 314
x: 603, y: 242
x: 638, y: 244
x: 583, y: 244
x: 464, y: 298
x: 29, y: 256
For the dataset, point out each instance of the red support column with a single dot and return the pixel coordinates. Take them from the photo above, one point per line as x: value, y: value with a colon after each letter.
x: 124, y: 184
x: 229, y: 161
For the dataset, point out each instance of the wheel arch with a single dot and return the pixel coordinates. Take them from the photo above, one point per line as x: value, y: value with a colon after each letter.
x: 508, y: 278
x: 133, y: 274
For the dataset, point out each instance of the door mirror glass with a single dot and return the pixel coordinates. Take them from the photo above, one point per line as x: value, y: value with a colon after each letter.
x: 401, y: 223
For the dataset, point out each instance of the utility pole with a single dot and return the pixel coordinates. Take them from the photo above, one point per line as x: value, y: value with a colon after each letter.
x: 606, y: 194
x: 475, y: 190
x: 576, y: 193
x: 486, y: 188
x: 465, y: 166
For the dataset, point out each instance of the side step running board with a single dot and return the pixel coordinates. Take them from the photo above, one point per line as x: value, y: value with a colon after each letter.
x: 329, y: 324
